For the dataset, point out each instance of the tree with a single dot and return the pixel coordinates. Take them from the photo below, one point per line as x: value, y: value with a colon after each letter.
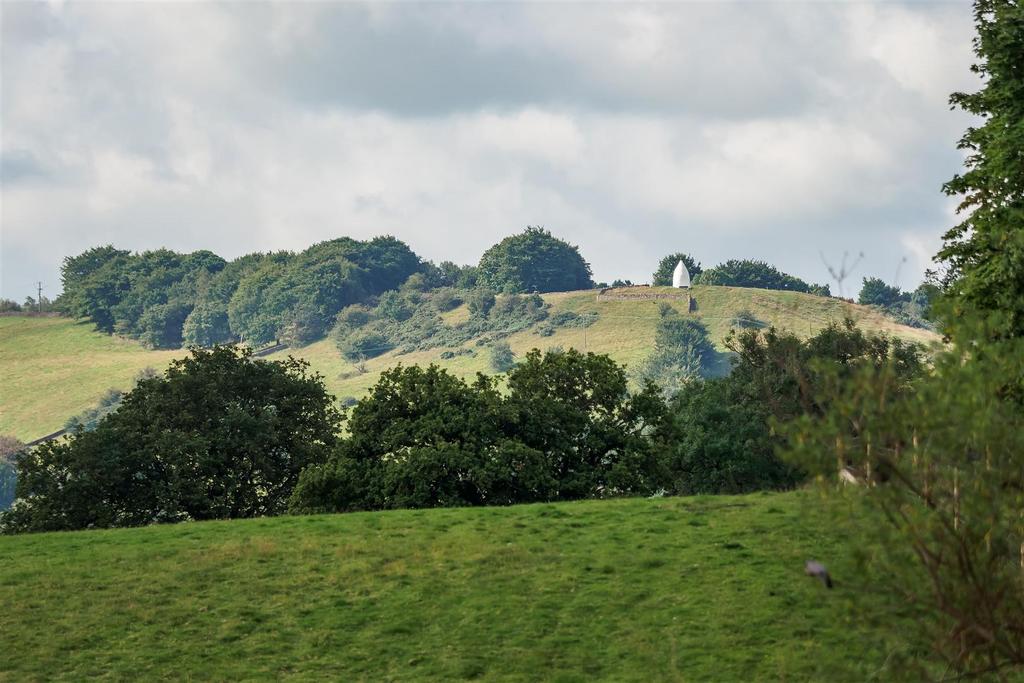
x: 421, y: 438
x: 502, y: 358
x: 576, y: 409
x: 944, y: 461
x: 717, y: 441
x: 985, y: 252
x: 534, y: 261
x: 876, y: 293
x: 682, y: 352
x: 749, y: 273
x: 663, y: 275
x: 220, y: 435
x: 480, y: 302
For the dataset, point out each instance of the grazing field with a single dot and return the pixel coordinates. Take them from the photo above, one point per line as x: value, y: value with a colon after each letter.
x: 54, y: 368
x: 687, y: 589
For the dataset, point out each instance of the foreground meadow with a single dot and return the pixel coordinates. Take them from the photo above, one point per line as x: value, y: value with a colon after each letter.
x: 704, y: 588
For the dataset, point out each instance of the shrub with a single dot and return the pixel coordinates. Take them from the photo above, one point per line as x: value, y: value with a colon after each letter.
x: 745, y: 319
x: 748, y: 273
x: 502, y: 358
x: 480, y: 301
x: 362, y: 345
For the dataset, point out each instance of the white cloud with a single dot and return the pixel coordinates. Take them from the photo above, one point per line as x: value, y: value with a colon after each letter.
x: 732, y: 130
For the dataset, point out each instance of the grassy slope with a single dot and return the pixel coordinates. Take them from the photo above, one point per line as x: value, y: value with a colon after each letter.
x: 55, y: 368
x: 624, y: 330
x: 707, y: 588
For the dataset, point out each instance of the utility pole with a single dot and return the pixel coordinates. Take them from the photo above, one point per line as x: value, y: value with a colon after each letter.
x: 39, y: 297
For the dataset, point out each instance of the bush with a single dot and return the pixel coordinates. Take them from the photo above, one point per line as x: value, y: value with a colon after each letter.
x: 502, y: 358
x: 480, y: 301
x: 363, y: 345
x: 446, y: 299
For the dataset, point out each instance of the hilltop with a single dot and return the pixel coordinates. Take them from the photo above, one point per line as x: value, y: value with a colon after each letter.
x: 704, y: 588
x: 54, y: 368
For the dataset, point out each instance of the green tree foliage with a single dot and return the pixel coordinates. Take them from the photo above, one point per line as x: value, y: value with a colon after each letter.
x: 663, y: 275
x: 718, y: 440
x: 721, y: 435
x: 9, y: 306
x: 682, y: 352
x: 164, y: 298
x: 945, y: 500
x: 502, y: 358
x: 220, y: 435
x: 750, y: 273
x: 567, y: 429
x: 534, y: 261
x: 480, y: 302
x: 944, y: 462
x: 876, y: 293
x: 985, y: 252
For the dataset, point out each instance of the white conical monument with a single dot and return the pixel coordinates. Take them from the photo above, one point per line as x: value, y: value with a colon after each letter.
x: 680, y: 276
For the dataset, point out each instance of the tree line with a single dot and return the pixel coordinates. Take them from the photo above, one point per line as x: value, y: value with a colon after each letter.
x: 222, y: 434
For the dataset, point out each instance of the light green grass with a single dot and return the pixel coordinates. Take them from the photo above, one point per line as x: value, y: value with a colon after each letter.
x: 54, y: 368
x: 671, y: 589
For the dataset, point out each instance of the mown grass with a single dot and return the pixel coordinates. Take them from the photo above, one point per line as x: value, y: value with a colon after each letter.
x: 54, y: 368
x: 674, y: 589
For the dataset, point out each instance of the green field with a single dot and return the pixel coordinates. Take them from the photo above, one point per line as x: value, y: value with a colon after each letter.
x: 54, y: 368
x: 674, y: 589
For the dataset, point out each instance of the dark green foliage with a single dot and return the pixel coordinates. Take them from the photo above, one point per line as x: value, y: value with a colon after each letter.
x: 424, y: 438
x: 480, y: 302
x: 622, y: 283
x: 363, y: 344
x: 220, y: 435
x: 876, y: 293
x: 985, y: 253
x: 682, y: 352
x: 207, y: 325
x: 258, y: 298
x: 393, y: 306
x: 945, y: 506
x: 9, y: 306
x: 663, y: 275
x: 750, y: 273
x: 446, y: 299
x: 534, y: 261
x: 9, y: 448
x: 721, y: 435
x: 718, y: 441
x: 502, y: 358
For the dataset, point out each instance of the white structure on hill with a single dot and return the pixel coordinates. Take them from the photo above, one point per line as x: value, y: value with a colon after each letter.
x: 681, y: 276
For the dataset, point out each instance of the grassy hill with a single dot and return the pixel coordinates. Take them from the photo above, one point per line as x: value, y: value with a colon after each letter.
x: 54, y: 368
x: 687, y: 589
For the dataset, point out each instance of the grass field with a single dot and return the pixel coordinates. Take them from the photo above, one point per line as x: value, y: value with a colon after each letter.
x: 665, y: 589
x: 54, y: 368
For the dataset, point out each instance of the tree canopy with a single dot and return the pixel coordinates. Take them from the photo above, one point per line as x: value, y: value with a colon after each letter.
x: 752, y: 273
x: 534, y: 261
x: 219, y: 435
x: 663, y: 275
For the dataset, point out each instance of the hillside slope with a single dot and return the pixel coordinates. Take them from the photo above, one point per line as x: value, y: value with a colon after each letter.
x: 707, y: 588
x: 55, y: 368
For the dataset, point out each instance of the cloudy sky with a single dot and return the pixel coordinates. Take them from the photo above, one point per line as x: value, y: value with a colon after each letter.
x: 780, y: 131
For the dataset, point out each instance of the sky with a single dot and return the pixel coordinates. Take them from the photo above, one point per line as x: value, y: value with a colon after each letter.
x: 791, y: 132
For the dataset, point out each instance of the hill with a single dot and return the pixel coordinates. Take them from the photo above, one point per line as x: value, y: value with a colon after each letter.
x: 705, y: 588
x: 55, y: 368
